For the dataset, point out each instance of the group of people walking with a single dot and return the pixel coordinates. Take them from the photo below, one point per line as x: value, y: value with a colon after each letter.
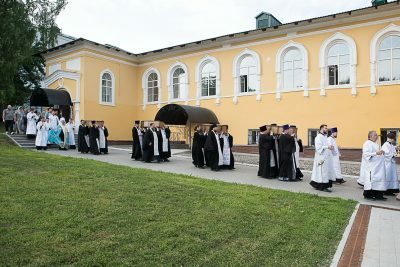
x: 279, y: 153
x: 213, y: 148
x: 92, y: 137
x: 50, y: 128
x: 15, y: 121
x: 151, y: 143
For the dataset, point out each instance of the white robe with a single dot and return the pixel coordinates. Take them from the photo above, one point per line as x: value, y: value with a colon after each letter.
x: 373, y: 169
x: 140, y: 134
x: 102, y: 138
x: 164, y: 141
x: 53, y: 121
x: 335, y: 158
x: 220, y: 156
x: 42, y: 134
x: 323, y: 168
x: 390, y: 166
x: 296, y: 154
x: 31, y: 124
x: 155, y: 148
x: 226, y: 152
x: 71, y: 133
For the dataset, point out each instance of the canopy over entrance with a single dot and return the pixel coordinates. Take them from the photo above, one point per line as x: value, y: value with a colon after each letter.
x: 174, y: 114
x: 50, y: 97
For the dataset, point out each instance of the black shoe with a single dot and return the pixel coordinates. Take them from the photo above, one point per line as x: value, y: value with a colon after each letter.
x: 381, y: 198
x: 327, y: 190
x: 166, y: 160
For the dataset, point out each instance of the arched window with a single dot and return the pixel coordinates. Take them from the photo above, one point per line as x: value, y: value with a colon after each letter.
x: 107, y: 88
x: 292, y: 69
x: 178, y: 81
x: 338, y: 61
x: 389, y: 59
x: 208, y: 80
x: 338, y: 64
x: 248, y: 75
x: 385, y: 56
x: 152, y: 87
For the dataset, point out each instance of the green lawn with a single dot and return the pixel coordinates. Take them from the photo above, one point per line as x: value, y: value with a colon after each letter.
x: 66, y: 211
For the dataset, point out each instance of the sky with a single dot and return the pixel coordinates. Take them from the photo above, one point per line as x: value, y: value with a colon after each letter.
x: 144, y: 25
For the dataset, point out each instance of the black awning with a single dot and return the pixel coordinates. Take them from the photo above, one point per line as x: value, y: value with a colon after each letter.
x: 50, y: 97
x: 174, y: 114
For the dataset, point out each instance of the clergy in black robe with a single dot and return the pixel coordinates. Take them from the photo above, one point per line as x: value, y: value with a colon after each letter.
x: 164, y: 144
x: 136, y: 142
x: 82, y: 131
x: 103, y: 135
x: 213, y: 148
x: 287, y: 148
x: 148, y: 144
x: 268, y: 159
x: 94, y: 139
x: 226, y: 142
x: 197, y: 147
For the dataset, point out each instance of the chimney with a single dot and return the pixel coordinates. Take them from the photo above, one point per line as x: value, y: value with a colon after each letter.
x: 266, y: 20
x: 378, y: 2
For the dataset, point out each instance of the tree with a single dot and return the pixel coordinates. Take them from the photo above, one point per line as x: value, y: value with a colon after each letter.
x: 27, y: 27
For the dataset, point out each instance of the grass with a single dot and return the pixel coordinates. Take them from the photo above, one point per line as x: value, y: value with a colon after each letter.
x: 67, y: 211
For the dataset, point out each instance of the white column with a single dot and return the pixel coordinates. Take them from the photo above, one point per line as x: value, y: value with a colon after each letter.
x: 373, y: 77
x: 77, y: 118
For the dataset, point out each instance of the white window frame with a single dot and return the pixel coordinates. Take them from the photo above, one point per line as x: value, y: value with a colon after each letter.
x: 279, y: 68
x: 101, y: 102
x: 391, y: 29
x: 184, y: 91
x: 236, y: 74
x: 338, y: 38
x: 202, y: 62
x: 145, y: 77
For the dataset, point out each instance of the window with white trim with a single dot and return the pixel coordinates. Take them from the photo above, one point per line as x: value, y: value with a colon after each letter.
x: 152, y: 87
x: 293, y: 69
x: 252, y: 136
x: 312, y: 134
x: 338, y: 61
x: 178, y: 83
x: 208, y: 80
x: 248, y: 75
x: 106, y: 88
x: 389, y: 59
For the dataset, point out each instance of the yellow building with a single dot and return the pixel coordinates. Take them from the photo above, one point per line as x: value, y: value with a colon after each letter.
x: 341, y: 69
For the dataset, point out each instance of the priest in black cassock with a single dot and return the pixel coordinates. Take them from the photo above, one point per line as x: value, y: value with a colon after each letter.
x: 213, y: 148
x: 164, y: 146
x: 150, y: 144
x: 268, y: 158
x: 94, y: 138
x: 226, y: 140
x: 197, y: 147
x: 82, y: 131
x: 287, y: 148
x: 137, y: 137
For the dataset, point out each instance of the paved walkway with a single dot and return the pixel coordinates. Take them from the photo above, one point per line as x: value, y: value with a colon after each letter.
x: 381, y: 241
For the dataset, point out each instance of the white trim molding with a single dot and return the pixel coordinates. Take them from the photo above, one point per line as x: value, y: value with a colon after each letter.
x: 202, y: 62
x: 145, y: 76
x: 375, y: 42
x: 323, y: 60
x: 278, y: 67
x: 184, y: 92
x: 236, y: 73
x: 112, y: 103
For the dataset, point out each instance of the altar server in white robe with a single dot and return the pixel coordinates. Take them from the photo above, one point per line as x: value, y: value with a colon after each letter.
x: 335, y: 156
x: 392, y: 182
x: 53, y: 120
x: 373, y: 169
x: 103, y: 135
x: 71, y: 133
x: 32, y: 118
x: 322, y: 173
x: 42, y: 134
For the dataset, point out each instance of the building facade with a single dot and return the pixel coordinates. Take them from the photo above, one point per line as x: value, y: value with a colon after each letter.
x: 342, y: 70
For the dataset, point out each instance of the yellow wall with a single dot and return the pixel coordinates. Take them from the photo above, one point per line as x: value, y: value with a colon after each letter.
x: 353, y: 115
